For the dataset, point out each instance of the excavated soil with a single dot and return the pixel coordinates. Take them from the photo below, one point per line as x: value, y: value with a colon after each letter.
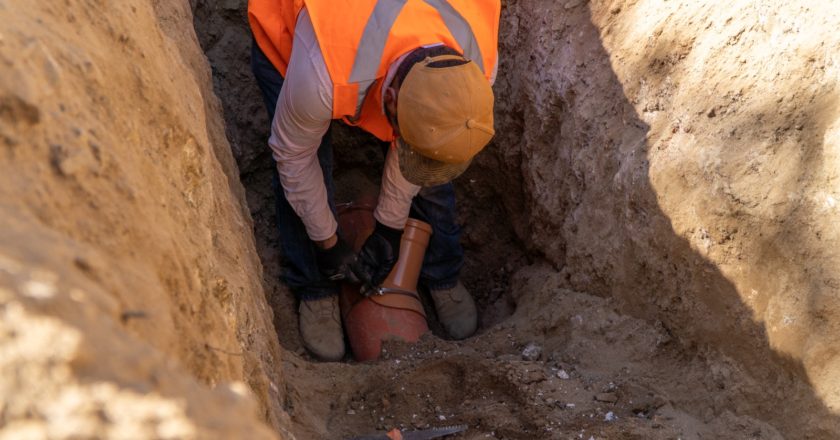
x: 651, y: 237
x: 131, y: 304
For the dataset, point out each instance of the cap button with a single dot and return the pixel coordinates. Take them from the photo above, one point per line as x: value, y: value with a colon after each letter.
x: 471, y: 123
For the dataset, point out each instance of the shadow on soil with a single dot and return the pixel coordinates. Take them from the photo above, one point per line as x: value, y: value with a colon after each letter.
x: 568, y: 126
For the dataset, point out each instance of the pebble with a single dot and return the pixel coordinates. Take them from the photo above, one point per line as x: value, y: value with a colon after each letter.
x: 562, y: 374
x: 606, y: 397
x: 532, y: 352
x: 610, y: 417
x: 533, y: 376
x: 39, y: 289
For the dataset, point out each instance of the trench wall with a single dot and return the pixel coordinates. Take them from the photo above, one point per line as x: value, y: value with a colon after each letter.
x: 678, y: 156
x: 683, y: 158
x: 130, y: 291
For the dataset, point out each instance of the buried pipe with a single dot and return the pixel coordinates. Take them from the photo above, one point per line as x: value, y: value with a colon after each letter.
x: 394, y: 312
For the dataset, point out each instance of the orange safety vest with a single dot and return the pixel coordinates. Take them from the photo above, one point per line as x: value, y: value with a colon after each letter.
x: 360, y: 39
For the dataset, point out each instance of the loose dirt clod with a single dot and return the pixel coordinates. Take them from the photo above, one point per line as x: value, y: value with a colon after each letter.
x: 531, y: 352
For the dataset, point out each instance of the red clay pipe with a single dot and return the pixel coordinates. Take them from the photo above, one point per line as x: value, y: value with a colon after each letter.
x: 390, y: 316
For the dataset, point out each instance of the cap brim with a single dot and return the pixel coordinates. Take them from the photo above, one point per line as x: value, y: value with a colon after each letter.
x: 423, y: 171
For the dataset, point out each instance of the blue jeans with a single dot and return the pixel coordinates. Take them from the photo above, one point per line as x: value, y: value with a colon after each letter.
x: 434, y: 205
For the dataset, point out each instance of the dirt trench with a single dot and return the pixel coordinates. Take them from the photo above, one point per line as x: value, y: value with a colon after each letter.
x: 603, y: 316
x: 651, y: 237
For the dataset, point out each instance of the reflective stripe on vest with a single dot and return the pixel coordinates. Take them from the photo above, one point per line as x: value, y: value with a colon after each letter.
x: 372, y: 45
x: 378, y: 28
x: 460, y: 29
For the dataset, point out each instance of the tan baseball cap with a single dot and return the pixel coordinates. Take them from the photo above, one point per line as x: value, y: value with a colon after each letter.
x: 445, y: 117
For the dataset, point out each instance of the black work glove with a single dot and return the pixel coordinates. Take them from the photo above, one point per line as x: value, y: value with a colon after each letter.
x: 378, y: 255
x: 334, y: 263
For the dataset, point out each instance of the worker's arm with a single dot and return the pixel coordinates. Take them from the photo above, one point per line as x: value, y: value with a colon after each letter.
x: 381, y: 249
x: 302, y: 117
x: 395, y: 194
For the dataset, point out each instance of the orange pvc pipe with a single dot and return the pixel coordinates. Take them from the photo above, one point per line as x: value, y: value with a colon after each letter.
x: 413, y: 245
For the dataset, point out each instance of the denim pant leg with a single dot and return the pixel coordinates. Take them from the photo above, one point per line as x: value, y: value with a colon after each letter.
x: 301, y: 271
x: 444, y: 257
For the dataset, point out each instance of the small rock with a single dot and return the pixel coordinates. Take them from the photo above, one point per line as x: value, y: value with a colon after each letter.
x: 610, y: 417
x: 533, y: 377
x: 562, y: 374
x: 711, y: 113
x: 350, y: 412
x: 606, y: 397
x: 532, y: 352
x: 572, y: 4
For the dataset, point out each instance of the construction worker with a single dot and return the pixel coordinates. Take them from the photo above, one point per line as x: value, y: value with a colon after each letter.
x: 415, y: 73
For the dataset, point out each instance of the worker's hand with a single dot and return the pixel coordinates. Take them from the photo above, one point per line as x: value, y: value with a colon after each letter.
x: 334, y: 263
x: 378, y: 255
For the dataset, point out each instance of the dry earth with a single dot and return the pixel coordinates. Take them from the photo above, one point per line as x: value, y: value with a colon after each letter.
x: 130, y: 292
x: 652, y: 236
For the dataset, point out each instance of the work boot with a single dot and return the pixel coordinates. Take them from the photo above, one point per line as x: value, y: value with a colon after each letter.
x: 456, y: 311
x: 320, y: 328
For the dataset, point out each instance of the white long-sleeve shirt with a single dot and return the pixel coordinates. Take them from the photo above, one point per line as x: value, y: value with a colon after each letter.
x: 302, y: 117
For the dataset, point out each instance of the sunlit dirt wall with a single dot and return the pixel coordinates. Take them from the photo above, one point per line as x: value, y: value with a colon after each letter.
x: 130, y: 293
x: 682, y: 156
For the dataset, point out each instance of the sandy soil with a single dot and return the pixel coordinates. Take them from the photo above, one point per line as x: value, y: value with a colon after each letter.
x: 130, y: 295
x: 651, y: 238
x: 694, y: 144
x: 565, y: 365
